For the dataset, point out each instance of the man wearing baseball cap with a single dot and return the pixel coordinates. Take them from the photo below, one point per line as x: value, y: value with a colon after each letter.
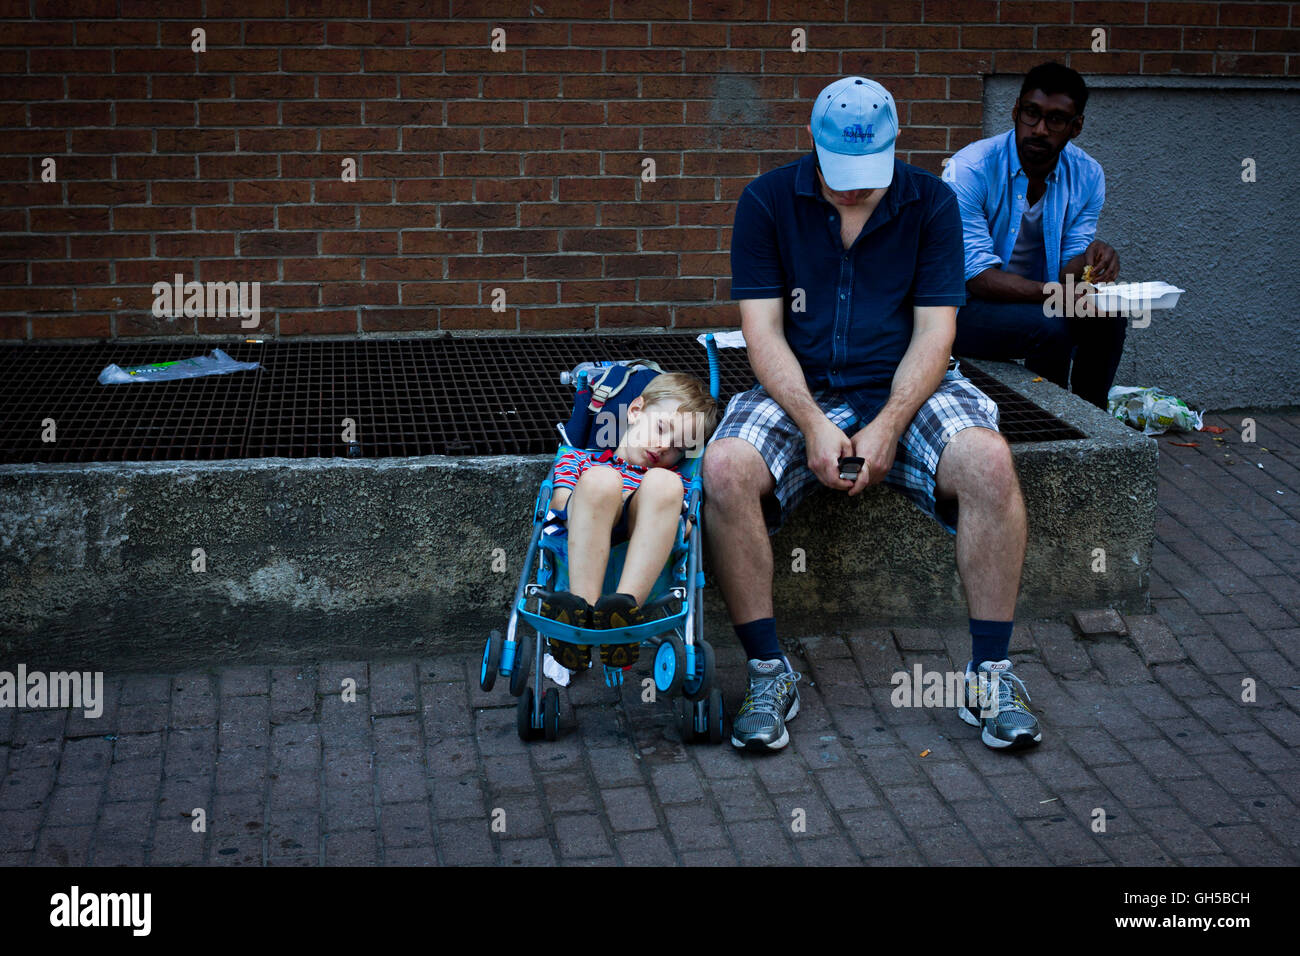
x: 848, y: 268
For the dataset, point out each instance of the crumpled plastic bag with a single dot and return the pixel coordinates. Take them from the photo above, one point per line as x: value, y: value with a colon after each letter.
x: 1152, y: 410
x: 218, y: 363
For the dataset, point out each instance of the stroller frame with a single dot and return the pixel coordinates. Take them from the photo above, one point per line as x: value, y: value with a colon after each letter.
x: 683, y: 659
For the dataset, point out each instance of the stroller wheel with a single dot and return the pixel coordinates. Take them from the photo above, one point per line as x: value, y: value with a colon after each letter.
x: 698, y: 688
x: 715, y: 714
x: 519, y: 672
x: 551, y: 713
x: 686, y: 720
x: 491, y: 663
x: 670, y: 665
x: 524, y: 715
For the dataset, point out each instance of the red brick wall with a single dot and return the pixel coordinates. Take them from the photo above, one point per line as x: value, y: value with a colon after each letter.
x: 477, y: 170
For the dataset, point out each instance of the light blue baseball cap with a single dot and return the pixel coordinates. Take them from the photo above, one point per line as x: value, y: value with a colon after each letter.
x: 854, y: 125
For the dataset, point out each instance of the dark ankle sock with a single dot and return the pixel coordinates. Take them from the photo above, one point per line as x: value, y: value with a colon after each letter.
x: 759, y: 639
x: 989, y: 641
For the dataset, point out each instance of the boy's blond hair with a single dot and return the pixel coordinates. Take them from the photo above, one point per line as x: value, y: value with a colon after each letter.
x: 693, y: 398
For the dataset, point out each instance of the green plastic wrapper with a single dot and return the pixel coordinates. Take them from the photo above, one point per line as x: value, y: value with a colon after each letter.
x: 1152, y: 410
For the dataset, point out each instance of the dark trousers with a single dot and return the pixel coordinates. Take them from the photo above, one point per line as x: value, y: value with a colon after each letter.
x: 1020, y: 330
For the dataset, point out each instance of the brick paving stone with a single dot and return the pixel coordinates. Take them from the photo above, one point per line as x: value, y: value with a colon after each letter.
x: 1100, y: 621
x: 644, y: 848
x: 1134, y: 786
x: 720, y: 856
x: 950, y: 845
x: 1062, y: 652
x: 1161, y: 759
x: 569, y: 793
x: 919, y: 639
x: 1282, y: 724
x: 1135, y: 849
x: 405, y: 825
x: 63, y: 846
x: 349, y: 809
x: 393, y: 688
x: 581, y: 836
x: 1264, y: 752
x: 1183, y: 681
x: 1119, y: 663
x: 848, y: 788
x: 245, y: 681
x: 458, y: 799
x: 293, y: 693
x: 536, y: 851
x: 73, y: 806
x: 1000, y: 836
x: 805, y: 815
x: 614, y: 767
x: 918, y: 807
x: 955, y: 780
x: 630, y: 808
x: 508, y: 773
x: 1180, y: 617
x: 1232, y: 772
x: 293, y: 832
x: 332, y: 676
x: 694, y: 827
x: 677, y: 783
x: 1066, y: 841
x: 877, y: 655
x: 827, y: 851
x: 764, y: 842
x: 352, y: 848
x: 876, y: 834
x: 1023, y: 794
x: 1249, y: 845
x: 465, y: 843
x: 1153, y: 702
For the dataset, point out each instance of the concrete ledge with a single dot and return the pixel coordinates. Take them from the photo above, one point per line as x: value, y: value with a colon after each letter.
x: 339, y: 557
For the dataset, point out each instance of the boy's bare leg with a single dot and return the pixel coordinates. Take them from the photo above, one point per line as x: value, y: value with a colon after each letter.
x: 593, y: 508
x: 652, y: 526
x: 740, y: 553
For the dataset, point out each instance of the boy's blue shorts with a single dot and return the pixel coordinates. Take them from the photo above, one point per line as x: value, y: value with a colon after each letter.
x: 557, y: 522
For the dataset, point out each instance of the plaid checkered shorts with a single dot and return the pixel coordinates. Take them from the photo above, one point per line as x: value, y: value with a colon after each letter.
x: 956, y: 404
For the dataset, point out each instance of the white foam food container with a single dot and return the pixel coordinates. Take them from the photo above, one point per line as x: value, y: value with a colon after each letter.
x: 1149, y: 295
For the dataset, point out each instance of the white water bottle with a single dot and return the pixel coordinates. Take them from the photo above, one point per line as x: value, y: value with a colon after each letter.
x: 571, y: 377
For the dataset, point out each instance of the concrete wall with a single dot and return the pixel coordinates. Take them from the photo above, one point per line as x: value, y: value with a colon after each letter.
x: 1178, y: 211
x: 339, y: 557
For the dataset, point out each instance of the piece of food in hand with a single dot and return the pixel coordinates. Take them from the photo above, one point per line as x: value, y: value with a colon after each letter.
x: 1088, y: 273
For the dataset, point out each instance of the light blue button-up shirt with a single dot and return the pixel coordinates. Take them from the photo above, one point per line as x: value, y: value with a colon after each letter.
x: 993, y: 193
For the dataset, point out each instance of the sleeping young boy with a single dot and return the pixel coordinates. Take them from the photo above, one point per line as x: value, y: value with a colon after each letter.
x: 630, y: 493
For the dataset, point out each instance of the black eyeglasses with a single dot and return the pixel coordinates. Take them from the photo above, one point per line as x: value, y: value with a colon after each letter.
x: 1057, y: 121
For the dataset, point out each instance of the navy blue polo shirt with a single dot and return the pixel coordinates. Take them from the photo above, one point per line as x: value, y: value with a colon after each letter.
x: 856, y: 320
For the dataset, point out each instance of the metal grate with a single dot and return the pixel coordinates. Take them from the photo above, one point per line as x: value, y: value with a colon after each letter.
x: 1019, y: 419
x: 443, y: 396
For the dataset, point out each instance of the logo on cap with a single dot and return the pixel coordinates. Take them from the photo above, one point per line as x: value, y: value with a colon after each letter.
x: 856, y: 133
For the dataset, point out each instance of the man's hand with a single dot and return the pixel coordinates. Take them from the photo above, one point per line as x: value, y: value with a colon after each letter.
x: 1104, y: 261
x: 878, y: 444
x: 827, y: 444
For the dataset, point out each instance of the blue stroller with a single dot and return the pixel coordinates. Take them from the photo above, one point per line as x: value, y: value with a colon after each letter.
x: 683, y: 660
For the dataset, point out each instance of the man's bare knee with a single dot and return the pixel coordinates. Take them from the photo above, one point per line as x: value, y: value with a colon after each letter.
x: 733, y: 470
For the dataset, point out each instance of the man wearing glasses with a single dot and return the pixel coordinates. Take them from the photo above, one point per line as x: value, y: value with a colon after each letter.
x: 1029, y: 201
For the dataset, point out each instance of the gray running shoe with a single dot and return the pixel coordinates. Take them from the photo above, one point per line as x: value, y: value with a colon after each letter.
x: 1006, y: 723
x: 773, y: 699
